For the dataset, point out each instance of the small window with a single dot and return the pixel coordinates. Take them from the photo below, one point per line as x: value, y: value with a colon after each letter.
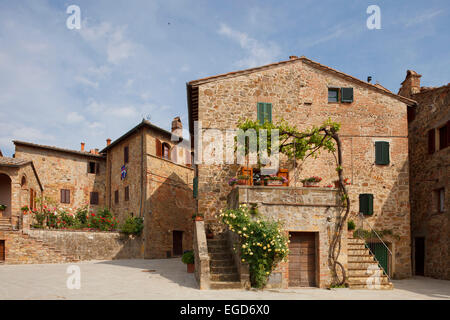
x: 116, y: 196
x: 65, y: 196
x: 264, y: 112
x: 411, y: 114
x: 431, y: 141
x: 382, y: 152
x: 333, y: 95
x: 127, y: 193
x: 166, y: 151
x: 440, y: 200
x: 92, y: 167
x: 347, y: 95
x: 366, y: 204
x: 125, y: 154
x: 94, y: 198
x: 443, y: 137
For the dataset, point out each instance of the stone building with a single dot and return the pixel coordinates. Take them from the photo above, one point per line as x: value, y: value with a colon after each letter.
x: 429, y: 157
x: 156, y: 185
x: 374, y: 133
x: 145, y: 173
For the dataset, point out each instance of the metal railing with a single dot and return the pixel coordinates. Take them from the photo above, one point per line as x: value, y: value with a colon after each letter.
x: 389, y: 258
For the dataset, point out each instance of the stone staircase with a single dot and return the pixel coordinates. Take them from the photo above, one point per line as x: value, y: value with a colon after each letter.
x: 362, y: 268
x: 5, y: 224
x: 223, y: 272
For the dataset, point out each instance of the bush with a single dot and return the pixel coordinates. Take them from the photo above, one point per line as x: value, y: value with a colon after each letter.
x: 188, y: 257
x: 81, y: 215
x: 103, y: 220
x: 263, y: 244
x: 351, y: 225
x: 133, y: 225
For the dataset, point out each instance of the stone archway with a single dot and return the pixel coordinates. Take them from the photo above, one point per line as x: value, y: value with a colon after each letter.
x: 5, y: 195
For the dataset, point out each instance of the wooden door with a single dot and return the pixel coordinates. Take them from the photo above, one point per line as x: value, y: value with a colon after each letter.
x: 2, y: 250
x: 177, y: 243
x: 302, y: 259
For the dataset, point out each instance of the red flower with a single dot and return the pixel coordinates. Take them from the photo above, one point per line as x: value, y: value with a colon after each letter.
x: 93, y: 214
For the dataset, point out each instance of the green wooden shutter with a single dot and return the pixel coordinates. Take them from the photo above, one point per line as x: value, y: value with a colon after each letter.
x: 366, y: 203
x: 382, y: 152
x: 195, y: 187
x: 346, y: 94
x: 264, y: 112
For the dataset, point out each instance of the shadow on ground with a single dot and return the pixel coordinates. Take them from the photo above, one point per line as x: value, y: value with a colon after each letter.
x: 430, y: 287
x: 171, y: 269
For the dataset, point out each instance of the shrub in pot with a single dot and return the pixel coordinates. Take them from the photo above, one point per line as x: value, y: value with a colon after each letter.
x: 197, y: 217
x: 188, y: 259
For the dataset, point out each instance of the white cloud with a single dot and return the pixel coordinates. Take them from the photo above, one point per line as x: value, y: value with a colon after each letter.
x: 86, y: 81
x: 257, y: 53
x: 127, y: 111
x: 74, y: 117
x: 428, y: 15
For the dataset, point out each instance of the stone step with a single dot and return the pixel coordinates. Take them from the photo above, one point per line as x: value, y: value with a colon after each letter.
x: 218, y: 249
x: 220, y: 256
x: 220, y: 285
x: 358, y: 273
x: 357, y: 252
x: 221, y: 263
x: 364, y: 280
x: 356, y: 241
x: 224, y: 277
x: 361, y: 265
x: 389, y: 286
x: 217, y: 242
x: 224, y: 269
x: 360, y: 258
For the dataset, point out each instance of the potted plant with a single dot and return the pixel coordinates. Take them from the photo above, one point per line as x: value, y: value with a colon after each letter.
x: 275, y: 181
x: 257, y: 179
x: 351, y: 226
x: 197, y: 217
x: 209, y: 233
x: 311, y: 181
x: 3, y: 207
x: 188, y: 259
x: 346, y: 182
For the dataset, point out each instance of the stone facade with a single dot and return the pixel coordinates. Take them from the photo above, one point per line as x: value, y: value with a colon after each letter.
x: 429, y: 173
x: 302, y: 210
x: 66, y: 169
x: 160, y: 189
x: 298, y: 91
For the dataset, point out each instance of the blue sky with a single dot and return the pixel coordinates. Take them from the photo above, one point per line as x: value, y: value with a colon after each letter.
x: 132, y: 59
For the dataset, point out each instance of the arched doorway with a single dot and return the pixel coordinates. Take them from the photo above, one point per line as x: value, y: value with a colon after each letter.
x: 5, y: 195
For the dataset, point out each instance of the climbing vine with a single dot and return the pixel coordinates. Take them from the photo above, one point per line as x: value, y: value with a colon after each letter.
x: 300, y: 145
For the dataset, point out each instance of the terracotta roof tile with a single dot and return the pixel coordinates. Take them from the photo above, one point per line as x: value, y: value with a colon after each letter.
x: 13, y: 162
x: 41, y: 146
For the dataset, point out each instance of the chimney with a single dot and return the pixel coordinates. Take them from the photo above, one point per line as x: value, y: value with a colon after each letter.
x: 82, y: 146
x: 108, y: 142
x: 293, y: 57
x: 96, y: 151
x: 177, y: 127
x: 411, y: 84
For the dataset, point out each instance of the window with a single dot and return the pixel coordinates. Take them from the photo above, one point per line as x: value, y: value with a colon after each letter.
x: 431, y: 141
x: 440, y: 200
x: 411, y: 114
x: 93, y: 167
x: 127, y: 193
x: 65, y: 196
x: 264, y: 111
x: 443, y: 137
x: 346, y: 94
x: 32, y: 199
x: 94, y: 198
x: 125, y: 154
x: 366, y: 204
x: 333, y: 95
x: 166, y: 151
x: 381, y: 152
x: 116, y: 196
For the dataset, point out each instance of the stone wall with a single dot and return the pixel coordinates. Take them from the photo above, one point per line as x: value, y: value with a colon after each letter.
x: 66, y: 170
x: 298, y: 92
x: 430, y: 172
x: 84, y: 245
x: 301, y: 210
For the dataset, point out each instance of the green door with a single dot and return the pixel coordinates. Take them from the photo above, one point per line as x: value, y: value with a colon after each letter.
x: 381, y: 254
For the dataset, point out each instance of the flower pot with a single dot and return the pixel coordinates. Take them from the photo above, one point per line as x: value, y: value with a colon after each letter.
x: 198, y: 218
x: 242, y: 182
x: 275, y: 183
x: 336, y: 184
x: 190, y: 267
x: 310, y: 184
x: 210, y: 235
